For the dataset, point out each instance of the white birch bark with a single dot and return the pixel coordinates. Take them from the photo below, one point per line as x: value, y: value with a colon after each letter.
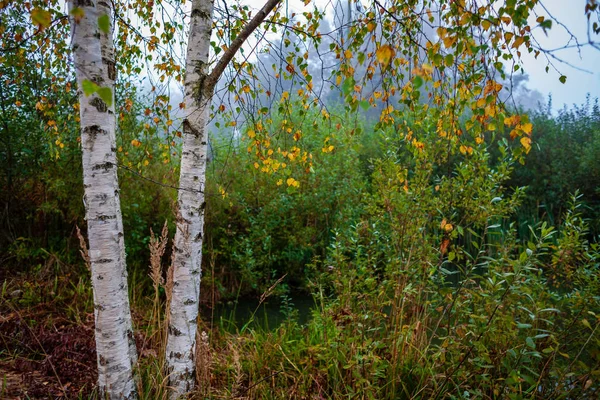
x: 109, y: 72
x: 187, y: 255
x: 103, y: 213
x: 181, y: 342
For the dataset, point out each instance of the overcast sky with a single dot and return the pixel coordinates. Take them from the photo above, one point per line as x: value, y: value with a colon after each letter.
x: 583, y: 73
x: 579, y: 83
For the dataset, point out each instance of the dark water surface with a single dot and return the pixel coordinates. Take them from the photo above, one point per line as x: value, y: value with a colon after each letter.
x: 250, y: 313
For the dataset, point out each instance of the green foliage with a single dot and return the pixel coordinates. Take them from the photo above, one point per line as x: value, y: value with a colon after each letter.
x: 260, y: 226
x: 563, y: 160
x: 430, y: 293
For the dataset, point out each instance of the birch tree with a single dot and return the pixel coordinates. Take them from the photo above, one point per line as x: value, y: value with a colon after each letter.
x: 93, y: 57
x: 199, y: 86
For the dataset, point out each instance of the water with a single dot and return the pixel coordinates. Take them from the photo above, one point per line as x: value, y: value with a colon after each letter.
x: 243, y: 313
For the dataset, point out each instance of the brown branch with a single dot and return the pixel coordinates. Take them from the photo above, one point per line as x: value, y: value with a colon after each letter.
x: 212, y: 79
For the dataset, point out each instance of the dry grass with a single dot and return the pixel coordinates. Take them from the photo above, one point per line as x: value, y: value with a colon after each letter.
x: 83, y: 250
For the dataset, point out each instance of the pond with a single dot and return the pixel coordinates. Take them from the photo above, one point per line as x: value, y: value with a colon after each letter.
x: 244, y: 313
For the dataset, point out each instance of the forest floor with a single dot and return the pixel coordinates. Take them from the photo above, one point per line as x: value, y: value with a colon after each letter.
x: 44, y: 352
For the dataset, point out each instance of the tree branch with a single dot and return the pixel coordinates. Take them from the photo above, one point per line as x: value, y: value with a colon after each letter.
x: 212, y: 79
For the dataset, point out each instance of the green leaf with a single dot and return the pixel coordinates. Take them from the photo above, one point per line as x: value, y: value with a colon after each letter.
x: 89, y: 87
x: 104, y: 23
x: 563, y: 79
x: 523, y: 326
x: 546, y: 24
x: 364, y: 105
x: 530, y: 342
x: 361, y: 58
x: 347, y: 86
x: 105, y: 94
x: 42, y: 18
x: 449, y: 60
x: 417, y: 82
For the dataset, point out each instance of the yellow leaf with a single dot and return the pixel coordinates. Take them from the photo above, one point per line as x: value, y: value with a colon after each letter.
x: 449, y: 41
x: 285, y: 96
x: 348, y: 54
x: 526, y: 142
x: 41, y: 18
x: 251, y: 134
x: 384, y: 54
x: 518, y: 42
x: 490, y: 110
x: 586, y: 323
x: 485, y: 24
x: 527, y: 128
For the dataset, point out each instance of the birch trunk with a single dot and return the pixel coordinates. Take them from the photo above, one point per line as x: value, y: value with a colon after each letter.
x: 181, y: 342
x: 187, y: 256
x: 114, y: 335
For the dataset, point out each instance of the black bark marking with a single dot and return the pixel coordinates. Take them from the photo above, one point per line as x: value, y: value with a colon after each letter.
x: 112, y: 70
x: 99, y: 104
x: 83, y: 3
x: 93, y: 131
x: 105, y: 166
x: 174, y: 331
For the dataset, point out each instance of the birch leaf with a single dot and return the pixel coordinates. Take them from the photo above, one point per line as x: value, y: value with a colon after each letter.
x: 88, y: 87
x: 41, y: 18
x: 104, y: 23
x: 105, y: 94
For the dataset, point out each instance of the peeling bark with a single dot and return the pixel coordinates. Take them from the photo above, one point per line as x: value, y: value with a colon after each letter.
x: 93, y: 54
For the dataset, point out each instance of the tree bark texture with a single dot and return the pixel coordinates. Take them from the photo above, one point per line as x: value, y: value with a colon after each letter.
x: 187, y: 256
x: 93, y: 57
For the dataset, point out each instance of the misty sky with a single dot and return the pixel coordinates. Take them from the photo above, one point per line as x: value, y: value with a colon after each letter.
x: 570, y: 13
x: 579, y: 83
x: 541, y: 83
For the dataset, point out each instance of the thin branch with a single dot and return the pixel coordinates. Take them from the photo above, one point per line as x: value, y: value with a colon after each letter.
x: 213, y: 78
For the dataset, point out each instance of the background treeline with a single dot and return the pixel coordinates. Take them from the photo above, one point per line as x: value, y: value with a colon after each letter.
x: 258, y: 227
